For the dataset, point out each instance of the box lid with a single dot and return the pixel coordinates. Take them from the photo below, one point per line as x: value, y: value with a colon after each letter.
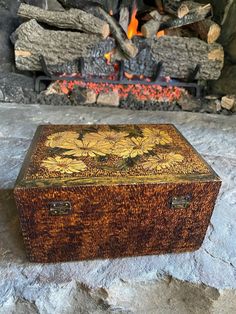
x: 67, y: 155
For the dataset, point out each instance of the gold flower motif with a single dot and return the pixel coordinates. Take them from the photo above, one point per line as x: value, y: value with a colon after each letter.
x: 132, y: 147
x: 157, y: 136
x: 111, y: 137
x: 162, y: 161
x: 63, y: 165
x: 86, y: 148
x: 61, y: 138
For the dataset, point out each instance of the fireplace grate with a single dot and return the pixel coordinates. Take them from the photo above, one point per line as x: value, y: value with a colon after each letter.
x: 191, y: 84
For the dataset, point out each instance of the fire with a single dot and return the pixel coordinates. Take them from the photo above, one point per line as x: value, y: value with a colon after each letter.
x: 128, y: 75
x: 160, y: 34
x: 133, y: 26
x: 131, y: 76
x: 108, y: 57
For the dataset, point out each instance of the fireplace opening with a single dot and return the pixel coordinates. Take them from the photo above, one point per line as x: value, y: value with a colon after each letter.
x: 122, y: 52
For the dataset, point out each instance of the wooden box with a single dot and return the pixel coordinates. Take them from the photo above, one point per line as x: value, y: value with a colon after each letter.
x: 109, y: 191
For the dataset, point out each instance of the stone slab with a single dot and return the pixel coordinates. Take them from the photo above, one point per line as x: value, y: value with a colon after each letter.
x: 197, y: 282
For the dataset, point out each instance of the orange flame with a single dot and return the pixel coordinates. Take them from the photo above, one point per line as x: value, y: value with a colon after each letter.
x: 133, y: 25
x: 160, y: 34
x: 108, y: 57
x: 128, y: 75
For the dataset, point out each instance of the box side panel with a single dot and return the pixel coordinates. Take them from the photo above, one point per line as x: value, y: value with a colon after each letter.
x: 28, y: 155
x: 114, y: 221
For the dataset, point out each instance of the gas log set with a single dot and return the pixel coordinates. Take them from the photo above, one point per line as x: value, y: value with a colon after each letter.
x: 107, y: 52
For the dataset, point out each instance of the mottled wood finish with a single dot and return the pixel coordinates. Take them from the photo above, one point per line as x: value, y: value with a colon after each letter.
x: 112, y: 220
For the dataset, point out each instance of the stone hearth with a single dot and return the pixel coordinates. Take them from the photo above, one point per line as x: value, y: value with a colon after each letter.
x: 200, y: 282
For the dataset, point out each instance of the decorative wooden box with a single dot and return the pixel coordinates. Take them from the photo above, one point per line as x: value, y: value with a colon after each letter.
x: 88, y: 192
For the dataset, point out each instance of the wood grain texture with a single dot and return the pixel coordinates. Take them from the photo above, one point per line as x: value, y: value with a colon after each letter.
x: 72, y: 19
x: 57, y: 47
x: 189, y: 52
x: 207, y: 30
x: 126, y: 45
x: 114, y: 221
x: 112, y: 218
x: 190, y: 7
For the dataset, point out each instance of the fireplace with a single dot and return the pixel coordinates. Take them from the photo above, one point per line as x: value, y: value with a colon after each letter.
x: 120, y: 52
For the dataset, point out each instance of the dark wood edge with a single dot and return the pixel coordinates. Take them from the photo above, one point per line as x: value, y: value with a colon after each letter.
x: 105, y: 124
x: 28, y: 155
x: 72, y: 182
x: 188, y: 249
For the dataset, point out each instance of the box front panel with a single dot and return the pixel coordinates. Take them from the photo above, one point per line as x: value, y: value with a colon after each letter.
x: 114, y: 221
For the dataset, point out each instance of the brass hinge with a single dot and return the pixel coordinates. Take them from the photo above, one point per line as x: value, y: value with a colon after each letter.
x: 59, y: 208
x: 178, y: 202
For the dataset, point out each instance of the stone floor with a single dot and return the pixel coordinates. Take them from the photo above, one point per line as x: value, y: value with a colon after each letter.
x: 199, y: 282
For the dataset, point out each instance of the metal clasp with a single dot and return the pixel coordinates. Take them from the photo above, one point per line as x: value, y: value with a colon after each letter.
x: 59, y: 208
x: 178, y: 202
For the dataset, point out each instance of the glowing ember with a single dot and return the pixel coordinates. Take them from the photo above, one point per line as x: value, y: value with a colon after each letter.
x: 133, y: 26
x: 168, y: 79
x: 160, y: 34
x: 140, y: 91
x: 116, y: 67
x: 64, y: 89
x: 128, y: 75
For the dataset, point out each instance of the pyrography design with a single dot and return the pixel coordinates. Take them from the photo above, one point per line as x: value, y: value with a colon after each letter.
x: 128, y: 145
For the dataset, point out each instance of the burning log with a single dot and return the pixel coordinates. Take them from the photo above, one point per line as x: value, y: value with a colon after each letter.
x: 151, y: 28
x: 124, y: 18
x: 188, y: 54
x: 159, y: 5
x: 126, y: 45
x: 108, y: 5
x: 124, y: 13
x: 207, y: 30
x: 94, y: 66
x: 191, y: 7
x: 192, y: 17
x: 57, y: 47
x: 71, y: 19
x: 171, y: 6
x: 179, y: 32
